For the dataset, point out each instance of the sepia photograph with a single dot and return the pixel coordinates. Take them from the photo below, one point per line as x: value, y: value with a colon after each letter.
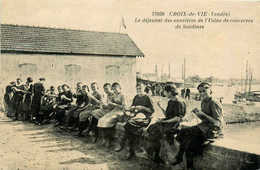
x: 130, y: 85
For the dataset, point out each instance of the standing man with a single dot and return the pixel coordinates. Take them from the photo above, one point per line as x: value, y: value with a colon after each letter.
x: 153, y: 89
x: 159, y: 88
x: 38, y: 93
x: 183, y: 92
x: 187, y: 93
x: 147, y: 88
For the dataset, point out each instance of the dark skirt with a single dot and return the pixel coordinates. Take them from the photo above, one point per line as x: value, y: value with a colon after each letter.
x: 136, y: 126
x: 17, y: 103
x: 27, y: 104
x: 191, y: 140
x: 73, y: 114
x: 7, y: 99
x: 60, y: 112
x: 85, y: 114
x: 167, y: 131
x: 36, y: 105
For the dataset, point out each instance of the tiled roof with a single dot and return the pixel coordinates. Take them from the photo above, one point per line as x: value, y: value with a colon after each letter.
x: 53, y: 40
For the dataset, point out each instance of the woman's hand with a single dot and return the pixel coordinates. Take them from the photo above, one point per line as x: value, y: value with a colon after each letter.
x: 54, y: 106
x: 62, y: 96
x: 132, y: 108
x: 15, y: 89
x: 100, y: 102
x: 160, y: 120
x: 139, y: 108
x: 194, y: 110
x: 159, y: 104
x: 198, y: 112
x: 112, y: 104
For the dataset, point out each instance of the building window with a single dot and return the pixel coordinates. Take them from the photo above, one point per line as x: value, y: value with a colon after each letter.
x: 72, y: 75
x: 28, y: 70
x: 112, y: 73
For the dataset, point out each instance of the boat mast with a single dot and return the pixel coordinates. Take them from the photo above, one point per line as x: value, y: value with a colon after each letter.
x: 169, y: 71
x: 184, y: 71
x: 246, y: 76
x: 241, y: 82
x: 182, y: 75
x: 250, y: 78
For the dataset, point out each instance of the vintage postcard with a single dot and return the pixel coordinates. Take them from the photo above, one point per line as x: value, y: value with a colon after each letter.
x: 129, y: 85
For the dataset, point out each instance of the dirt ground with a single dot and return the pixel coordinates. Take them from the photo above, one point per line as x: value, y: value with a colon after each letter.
x: 28, y: 146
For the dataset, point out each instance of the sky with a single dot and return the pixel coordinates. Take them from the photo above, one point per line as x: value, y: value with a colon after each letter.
x: 219, y: 50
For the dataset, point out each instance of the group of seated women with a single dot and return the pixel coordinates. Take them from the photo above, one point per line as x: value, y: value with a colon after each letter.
x: 92, y: 115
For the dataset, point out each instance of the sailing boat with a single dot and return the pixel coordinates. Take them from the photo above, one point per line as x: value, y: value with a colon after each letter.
x: 252, y: 96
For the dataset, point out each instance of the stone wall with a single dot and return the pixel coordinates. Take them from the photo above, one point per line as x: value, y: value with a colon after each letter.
x: 213, y: 157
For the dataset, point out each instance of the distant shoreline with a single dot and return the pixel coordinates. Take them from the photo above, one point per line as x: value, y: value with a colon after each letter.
x: 233, y: 113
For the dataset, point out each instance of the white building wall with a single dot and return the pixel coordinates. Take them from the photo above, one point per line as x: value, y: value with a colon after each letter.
x: 52, y: 67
